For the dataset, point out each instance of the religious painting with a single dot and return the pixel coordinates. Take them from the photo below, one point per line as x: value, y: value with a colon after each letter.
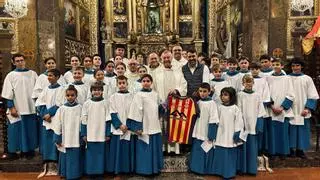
x: 120, y: 30
x: 185, y: 29
x: 153, y: 23
x: 84, y: 26
x: 185, y: 7
x: 70, y: 19
x: 120, y: 7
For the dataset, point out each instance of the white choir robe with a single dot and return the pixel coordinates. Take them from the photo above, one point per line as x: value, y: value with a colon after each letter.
x: 234, y: 79
x: 306, y: 96
x: 205, y: 129
x: 17, y: 89
x: 228, y: 138
x: 132, y: 78
x: 88, y: 77
x: 106, y: 90
x: 154, y: 71
x: 282, y: 94
x: 42, y: 82
x: 177, y: 65
x: 217, y: 85
x: 281, y: 91
x: 144, y: 115
x: 164, y: 81
x: 95, y: 125
x: 67, y: 133
x: 51, y: 98
x: 112, y: 84
x: 68, y: 77
x: 269, y: 72
x: 169, y: 79
x: 83, y: 90
x: 121, y: 145
x: 252, y: 109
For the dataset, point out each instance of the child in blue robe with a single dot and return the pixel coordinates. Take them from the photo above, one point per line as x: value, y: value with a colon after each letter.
x: 143, y: 119
x: 204, y: 133
x: 67, y: 136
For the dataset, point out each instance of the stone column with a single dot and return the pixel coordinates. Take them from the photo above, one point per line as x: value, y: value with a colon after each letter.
x: 255, y: 28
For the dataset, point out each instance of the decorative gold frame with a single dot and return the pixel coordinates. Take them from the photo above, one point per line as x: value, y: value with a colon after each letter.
x: 292, y: 19
x: 14, y: 30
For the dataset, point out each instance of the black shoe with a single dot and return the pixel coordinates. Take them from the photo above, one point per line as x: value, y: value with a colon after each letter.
x: 292, y: 153
x: 301, y: 154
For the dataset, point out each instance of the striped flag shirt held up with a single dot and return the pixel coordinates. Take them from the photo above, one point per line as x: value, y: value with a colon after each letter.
x: 180, y: 120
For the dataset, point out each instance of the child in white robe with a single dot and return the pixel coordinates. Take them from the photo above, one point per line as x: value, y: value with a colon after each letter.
x: 51, y: 98
x: 143, y: 119
x: 82, y: 88
x: 261, y: 87
x: 305, y: 101
x: 217, y: 83
x: 67, y: 136
x: 120, y: 69
x: 142, y: 70
x: 282, y: 97
x: 233, y: 76
x: 95, y: 130
x: 100, y: 78
x: 42, y: 81
x: 228, y: 135
x: 88, y: 70
x: 22, y: 124
x: 204, y: 132
x: 75, y: 62
x: 251, y: 106
x: 110, y: 78
x: 122, y: 143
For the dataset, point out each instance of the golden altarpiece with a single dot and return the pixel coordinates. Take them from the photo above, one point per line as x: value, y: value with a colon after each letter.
x: 151, y: 25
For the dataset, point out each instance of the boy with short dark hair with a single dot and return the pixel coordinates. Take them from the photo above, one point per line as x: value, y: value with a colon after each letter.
x: 305, y: 101
x: 88, y: 70
x: 233, y: 76
x: 282, y: 96
x: 82, y: 88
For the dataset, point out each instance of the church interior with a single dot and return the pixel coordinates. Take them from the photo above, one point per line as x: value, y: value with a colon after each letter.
x: 232, y: 28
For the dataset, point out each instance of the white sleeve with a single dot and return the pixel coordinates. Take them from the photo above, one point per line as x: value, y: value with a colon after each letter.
x: 136, y: 109
x: 8, y: 90
x: 182, y: 85
x: 58, y: 122
x: 214, y: 118
x: 84, y: 113
x: 312, y: 90
x: 206, y: 74
x: 106, y: 105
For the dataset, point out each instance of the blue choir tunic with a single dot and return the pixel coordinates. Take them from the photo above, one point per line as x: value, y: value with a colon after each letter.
x: 144, y: 116
x: 95, y: 126
x: 251, y: 106
x: 121, y: 159
x: 67, y: 133
x: 227, y: 140
x: 17, y: 90
x: 306, y: 96
x: 261, y: 87
x: 50, y: 99
x: 205, y: 129
x: 282, y: 95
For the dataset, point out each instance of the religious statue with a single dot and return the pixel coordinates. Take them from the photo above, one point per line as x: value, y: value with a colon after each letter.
x: 119, y: 6
x: 132, y: 37
x: 154, y: 21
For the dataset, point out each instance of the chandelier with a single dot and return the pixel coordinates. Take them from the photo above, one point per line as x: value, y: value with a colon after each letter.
x: 301, y: 5
x: 16, y: 8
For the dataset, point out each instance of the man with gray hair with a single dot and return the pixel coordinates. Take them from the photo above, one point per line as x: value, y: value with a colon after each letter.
x: 153, y: 63
x: 169, y: 81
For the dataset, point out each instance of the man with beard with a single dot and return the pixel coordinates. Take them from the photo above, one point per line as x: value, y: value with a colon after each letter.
x: 195, y: 73
x: 153, y: 63
x: 168, y: 81
x: 178, y: 60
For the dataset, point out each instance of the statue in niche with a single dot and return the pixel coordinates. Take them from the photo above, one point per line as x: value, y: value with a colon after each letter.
x: 149, y: 2
x: 153, y: 25
x: 222, y: 36
x: 119, y: 7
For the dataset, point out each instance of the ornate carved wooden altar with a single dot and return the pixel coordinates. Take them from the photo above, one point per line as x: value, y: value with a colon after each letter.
x: 150, y: 25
